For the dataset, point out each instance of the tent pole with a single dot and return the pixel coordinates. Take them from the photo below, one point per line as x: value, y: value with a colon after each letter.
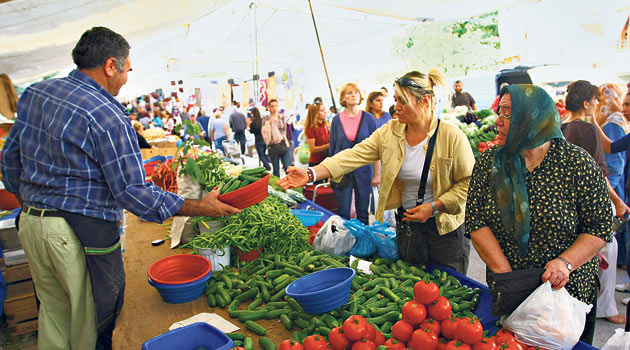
x: 322, y: 53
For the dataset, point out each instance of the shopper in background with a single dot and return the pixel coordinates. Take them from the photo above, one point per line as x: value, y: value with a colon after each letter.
x: 238, y: 124
x: 430, y: 224
x: 76, y: 201
x: 274, y: 131
x: 614, y: 126
x: 317, y: 133
x: 220, y: 131
x: 582, y: 104
x: 347, y: 129
x: 374, y: 106
x: 261, y: 148
x: 462, y: 98
x: 142, y: 142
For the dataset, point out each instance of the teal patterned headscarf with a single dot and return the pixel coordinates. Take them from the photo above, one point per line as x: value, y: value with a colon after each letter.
x: 534, y: 121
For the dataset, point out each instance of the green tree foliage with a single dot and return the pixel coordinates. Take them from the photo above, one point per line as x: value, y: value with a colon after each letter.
x: 455, y: 47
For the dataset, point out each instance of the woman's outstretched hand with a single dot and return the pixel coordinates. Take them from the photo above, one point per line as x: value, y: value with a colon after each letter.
x: 296, y: 177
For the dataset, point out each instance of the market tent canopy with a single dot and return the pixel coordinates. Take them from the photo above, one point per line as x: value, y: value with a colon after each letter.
x: 36, y: 37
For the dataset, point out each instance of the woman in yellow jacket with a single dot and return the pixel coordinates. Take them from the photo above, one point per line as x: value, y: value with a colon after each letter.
x: 430, y: 220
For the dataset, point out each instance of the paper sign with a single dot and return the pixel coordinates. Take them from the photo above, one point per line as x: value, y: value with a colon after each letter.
x: 212, y: 319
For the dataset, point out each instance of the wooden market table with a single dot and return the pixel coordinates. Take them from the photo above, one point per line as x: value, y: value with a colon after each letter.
x: 144, y: 315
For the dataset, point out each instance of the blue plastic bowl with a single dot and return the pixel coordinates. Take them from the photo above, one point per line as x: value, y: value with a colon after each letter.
x: 195, y: 336
x: 322, y: 291
x: 307, y: 217
x: 181, y: 293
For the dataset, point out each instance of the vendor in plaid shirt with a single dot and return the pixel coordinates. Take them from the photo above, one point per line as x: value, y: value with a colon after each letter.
x: 72, y: 159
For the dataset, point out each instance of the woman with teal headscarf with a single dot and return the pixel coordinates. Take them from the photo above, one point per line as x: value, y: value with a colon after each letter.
x: 537, y: 201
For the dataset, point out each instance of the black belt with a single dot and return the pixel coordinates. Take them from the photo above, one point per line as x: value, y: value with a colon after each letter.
x: 42, y: 212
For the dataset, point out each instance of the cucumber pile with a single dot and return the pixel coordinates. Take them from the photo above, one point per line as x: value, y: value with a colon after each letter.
x: 378, y: 297
x: 246, y: 177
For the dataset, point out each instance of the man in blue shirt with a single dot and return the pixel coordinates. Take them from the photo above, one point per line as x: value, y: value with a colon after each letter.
x: 72, y: 159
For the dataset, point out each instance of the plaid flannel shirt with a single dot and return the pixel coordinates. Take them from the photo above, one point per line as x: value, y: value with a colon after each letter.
x: 73, y: 148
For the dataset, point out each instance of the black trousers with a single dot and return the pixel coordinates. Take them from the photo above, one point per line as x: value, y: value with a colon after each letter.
x: 419, y: 243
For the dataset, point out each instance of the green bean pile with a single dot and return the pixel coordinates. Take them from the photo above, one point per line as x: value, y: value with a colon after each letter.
x: 268, y: 224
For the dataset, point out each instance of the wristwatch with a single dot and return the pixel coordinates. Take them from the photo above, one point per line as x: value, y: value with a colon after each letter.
x: 569, y: 266
x: 435, y: 209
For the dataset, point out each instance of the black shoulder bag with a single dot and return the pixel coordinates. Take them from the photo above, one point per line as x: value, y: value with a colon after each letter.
x: 345, y: 180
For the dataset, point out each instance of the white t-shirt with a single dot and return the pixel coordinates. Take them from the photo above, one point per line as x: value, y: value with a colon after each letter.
x: 410, y: 173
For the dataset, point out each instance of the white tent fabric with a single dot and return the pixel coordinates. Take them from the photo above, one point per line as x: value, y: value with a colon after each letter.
x: 210, y: 37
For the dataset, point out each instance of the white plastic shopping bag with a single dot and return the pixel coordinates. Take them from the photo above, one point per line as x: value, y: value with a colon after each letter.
x: 188, y: 187
x: 619, y: 341
x: 333, y: 237
x: 548, y: 318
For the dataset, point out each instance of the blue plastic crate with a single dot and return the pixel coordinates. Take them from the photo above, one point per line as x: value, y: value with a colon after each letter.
x: 197, y: 336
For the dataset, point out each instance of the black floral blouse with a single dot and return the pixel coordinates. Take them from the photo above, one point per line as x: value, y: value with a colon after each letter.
x: 568, y: 196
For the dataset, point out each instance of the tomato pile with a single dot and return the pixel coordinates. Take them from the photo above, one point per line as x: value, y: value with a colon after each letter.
x: 427, y: 323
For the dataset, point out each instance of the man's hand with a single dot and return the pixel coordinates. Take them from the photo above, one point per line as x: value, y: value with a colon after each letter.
x: 421, y: 213
x: 557, y: 273
x: 296, y: 177
x: 214, y: 207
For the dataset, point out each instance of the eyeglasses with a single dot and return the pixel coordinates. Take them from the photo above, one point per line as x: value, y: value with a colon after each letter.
x: 407, y: 82
x: 505, y: 117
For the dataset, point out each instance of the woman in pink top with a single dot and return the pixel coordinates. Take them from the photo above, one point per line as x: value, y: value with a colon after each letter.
x: 348, y: 128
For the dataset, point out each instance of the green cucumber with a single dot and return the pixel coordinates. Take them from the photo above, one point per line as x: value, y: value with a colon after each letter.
x: 252, y: 315
x: 288, y: 324
x: 255, y: 327
x: 266, y: 343
x: 248, y: 343
x: 236, y: 336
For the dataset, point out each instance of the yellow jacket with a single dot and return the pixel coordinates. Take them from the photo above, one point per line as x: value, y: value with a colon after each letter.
x: 451, y: 168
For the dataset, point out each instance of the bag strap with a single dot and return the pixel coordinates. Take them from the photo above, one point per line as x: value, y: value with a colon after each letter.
x: 358, y: 130
x: 425, y: 168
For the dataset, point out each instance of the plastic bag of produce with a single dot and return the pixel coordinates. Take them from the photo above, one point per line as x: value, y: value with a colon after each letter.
x: 619, y: 341
x: 548, y: 318
x: 333, y: 237
x: 188, y: 187
x: 385, y: 239
x: 365, y: 245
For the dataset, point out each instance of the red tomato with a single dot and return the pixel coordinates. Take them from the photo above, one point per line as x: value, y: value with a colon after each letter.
x: 440, y: 309
x: 457, y: 345
x: 510, y: 344
x: 424, y: 339
x: 413, y: 312
x: 291, y: 345
x: 338, y: 341
x: 379, y: 339
x: 441, y: 345
x: 238, y: 348
x: 432, y: 325
x: 402, y: 330
x: 355, y: 327
x: 315, y: 342
x: 535, y: 348
x: 363, y: 344
x: 504, y: 336
x: 393, y: 344
x: 371, y: 333
x: 486, y: 344
x: 448, y: 327
x: 469, y: 330
x: 425, y: 292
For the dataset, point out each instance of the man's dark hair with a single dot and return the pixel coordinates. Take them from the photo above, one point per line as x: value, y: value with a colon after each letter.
x: 97, y: 45
x: 384, y: 88
x: 457, y: 81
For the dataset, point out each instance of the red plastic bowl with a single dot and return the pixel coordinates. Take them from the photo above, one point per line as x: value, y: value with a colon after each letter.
x: 179, y: 269
x: 247, y: 196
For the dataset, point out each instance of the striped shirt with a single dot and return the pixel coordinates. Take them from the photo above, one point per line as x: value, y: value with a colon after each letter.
x: 73, y: 148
